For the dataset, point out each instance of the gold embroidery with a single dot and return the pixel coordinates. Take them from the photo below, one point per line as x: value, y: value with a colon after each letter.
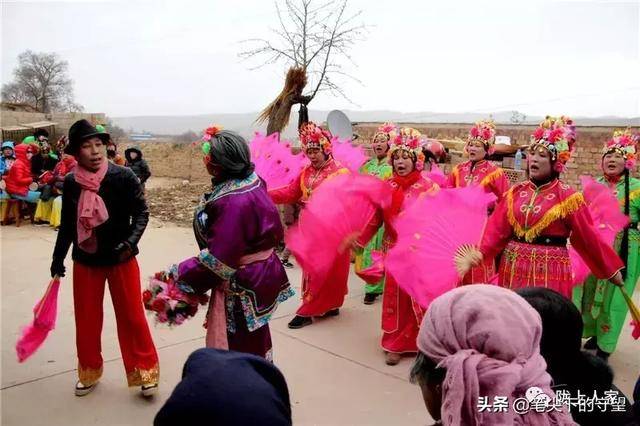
x: 561, y: 210
x: 632, y: 195
x: 89, y: 376
x: 140, y: 377
x: 456, y: 176
x: 491, y: 177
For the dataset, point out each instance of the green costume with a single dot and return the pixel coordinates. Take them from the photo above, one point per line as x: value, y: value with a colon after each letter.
x: 383, y: 170
x: 604, y: 310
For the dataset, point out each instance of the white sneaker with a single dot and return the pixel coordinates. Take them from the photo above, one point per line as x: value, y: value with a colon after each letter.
x: 82, y: 390
x: 149, y: 390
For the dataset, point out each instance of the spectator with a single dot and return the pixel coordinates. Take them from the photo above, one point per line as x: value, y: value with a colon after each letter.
x: 225, y: 388
x: 136, y: 163
x: 482, y: 341
x: 112, y: 154
x: 8, y: 157
x: 19, y: 178
x: 45, y: 159
x: 48, y: 210
x: 571, y: 368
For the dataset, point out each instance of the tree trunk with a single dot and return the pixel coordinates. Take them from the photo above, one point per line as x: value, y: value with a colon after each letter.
x: 303, y: 115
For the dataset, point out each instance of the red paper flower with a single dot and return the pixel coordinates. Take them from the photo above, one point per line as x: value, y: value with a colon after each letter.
x: 474, y: 132
x: 146, y: 296
x: 555, y: 135
x: 191, y: 310
x: 538, y: 134
x: 159, y: 305
x: 213, y: 130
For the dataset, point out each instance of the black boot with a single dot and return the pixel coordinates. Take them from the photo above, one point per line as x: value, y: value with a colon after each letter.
x: 370, y: 298
x: 591, y: 344
x: 603, y: 355
x: 332, y: 313
x: 299, y: 322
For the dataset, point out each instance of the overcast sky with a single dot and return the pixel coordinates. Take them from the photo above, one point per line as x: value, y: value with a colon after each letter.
x: 180, y: 57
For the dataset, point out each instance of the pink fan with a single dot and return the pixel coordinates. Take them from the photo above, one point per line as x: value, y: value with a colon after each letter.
x: 437, y: 176
x: 430, y: 234
x: 338, y: 213
x: 607, y: 217
x: 375, y: 272
x: 274, y: 161
x: 351, y: 157
x: 44, y: 320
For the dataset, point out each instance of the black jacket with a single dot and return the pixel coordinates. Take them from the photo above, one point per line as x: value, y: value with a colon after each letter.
x: 128, y: 217
x: 42, y: 163
x: 139, y: 166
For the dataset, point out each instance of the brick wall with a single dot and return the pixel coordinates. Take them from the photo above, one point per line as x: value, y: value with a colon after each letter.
x: 183, y: 161
x: 64, y: 120
x: 585, y: 160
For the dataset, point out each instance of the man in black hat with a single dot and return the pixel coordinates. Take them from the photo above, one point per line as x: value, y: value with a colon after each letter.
x: 104, y: 214
x: 46, y: 158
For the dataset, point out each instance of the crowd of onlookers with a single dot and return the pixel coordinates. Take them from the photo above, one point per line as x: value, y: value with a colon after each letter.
x: 483, y: 350
x: 32, y: 174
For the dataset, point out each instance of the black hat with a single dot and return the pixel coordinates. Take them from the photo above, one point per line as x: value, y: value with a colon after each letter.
x: 40, y: 132
x: 81, y: 130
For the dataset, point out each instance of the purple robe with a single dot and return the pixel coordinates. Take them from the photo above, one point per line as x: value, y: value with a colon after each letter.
x: 233, y: 223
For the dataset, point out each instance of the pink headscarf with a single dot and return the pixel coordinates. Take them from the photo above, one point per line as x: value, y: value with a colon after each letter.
x: 91, y: 208
x: 488, y: 340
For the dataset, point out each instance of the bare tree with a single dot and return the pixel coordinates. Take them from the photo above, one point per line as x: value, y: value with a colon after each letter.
x: 518, y: 118
x: 41, y: 80
x: 311, y: 40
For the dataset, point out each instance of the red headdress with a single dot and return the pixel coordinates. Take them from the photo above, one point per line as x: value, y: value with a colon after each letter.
x: 313, y: 136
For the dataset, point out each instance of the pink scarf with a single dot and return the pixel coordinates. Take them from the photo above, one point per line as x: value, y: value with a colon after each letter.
x: 91, y: 209
x: 216, y: 322
x: 488, y: 340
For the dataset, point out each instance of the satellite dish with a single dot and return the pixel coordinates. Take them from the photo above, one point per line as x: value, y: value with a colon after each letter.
x: 339, y: 125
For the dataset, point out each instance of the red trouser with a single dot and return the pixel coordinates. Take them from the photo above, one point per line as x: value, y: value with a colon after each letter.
x: 138, y: 352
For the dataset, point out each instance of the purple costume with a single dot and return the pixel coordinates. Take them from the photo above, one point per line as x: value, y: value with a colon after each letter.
x: 237, y: 226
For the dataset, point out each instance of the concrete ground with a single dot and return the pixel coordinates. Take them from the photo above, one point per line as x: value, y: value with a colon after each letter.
x: 335, y: 368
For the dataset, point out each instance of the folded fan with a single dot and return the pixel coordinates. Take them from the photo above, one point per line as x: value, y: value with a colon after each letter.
x: 431, y: 232
x: 44, y: 320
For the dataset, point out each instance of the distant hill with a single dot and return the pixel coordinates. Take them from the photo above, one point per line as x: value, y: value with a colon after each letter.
x: 244, y: 122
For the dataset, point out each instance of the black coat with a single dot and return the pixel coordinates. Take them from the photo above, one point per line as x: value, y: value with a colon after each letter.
x: 138, y: 166
x: 128, y: 217
x: 42, y: 163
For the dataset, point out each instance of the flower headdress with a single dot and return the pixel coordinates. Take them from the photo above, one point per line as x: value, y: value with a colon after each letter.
x: 387, y: 131
x: 558, y: 136
x: 207, y: 136
x: 625, y: 143
x: 483, y: 131
x: 313, y: 136
x: 408, y: 139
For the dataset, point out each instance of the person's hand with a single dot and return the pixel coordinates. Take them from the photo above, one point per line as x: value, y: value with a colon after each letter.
x: 57, y: 268
x: 123, y: 251
x: 617, y: 279
x: 62, y: 142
